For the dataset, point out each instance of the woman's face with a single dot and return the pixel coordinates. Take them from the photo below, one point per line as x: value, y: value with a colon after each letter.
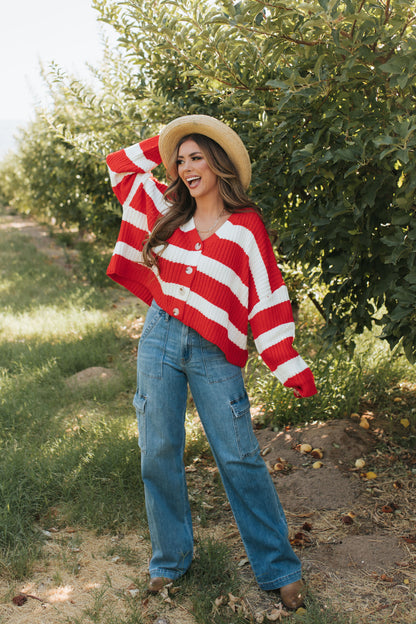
x: 195, y: 172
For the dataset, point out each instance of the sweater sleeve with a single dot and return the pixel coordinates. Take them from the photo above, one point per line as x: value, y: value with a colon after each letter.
x: 142, y: 198
x: 132, y: 165
x: 140, y: 194
x: 271, y: 319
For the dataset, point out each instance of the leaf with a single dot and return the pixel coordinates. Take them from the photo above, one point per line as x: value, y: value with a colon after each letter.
x: 393, y: 65
x: 277, y: 84
x: 390, y: 508
x: 370, y: 475
x: 235, y: 603
x: 300, y: 539
x: 387, y: 579
x: 383, y: 140
x: 276, y: 614
x: 405, y: 422
x: 409, y: 539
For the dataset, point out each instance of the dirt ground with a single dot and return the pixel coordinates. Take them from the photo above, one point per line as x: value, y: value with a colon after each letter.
x: 354, y: 529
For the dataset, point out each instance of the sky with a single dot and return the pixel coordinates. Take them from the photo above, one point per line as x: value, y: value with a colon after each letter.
x: 33, y: 31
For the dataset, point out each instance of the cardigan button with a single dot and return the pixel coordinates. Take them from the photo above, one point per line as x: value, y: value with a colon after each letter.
x: 198, y: 246
x: 188, y: 270
x: 175, y: 311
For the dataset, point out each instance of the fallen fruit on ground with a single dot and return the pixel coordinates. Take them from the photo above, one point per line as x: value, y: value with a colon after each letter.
x: 317, y: 453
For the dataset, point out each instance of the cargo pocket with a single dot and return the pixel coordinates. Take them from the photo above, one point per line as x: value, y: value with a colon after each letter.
x: 245, y: 438
x: 139, y: 403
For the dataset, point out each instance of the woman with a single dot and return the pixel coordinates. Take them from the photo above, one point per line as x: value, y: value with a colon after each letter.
x: 198, y: 253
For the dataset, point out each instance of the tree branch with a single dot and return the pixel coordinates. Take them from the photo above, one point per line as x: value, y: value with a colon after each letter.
x: 387, y: 12
x: 317, y: 305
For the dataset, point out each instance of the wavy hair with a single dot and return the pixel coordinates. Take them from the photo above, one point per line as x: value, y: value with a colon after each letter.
x: 182, y: 205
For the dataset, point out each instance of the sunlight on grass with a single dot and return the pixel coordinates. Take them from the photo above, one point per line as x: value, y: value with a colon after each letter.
x: 48, y: 322
x: 6, y: 285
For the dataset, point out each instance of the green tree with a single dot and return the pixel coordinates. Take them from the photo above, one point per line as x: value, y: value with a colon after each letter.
x: 323, y: 94
x: 51, y: 179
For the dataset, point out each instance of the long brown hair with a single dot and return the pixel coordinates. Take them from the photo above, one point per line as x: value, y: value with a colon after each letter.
x: 182, y: 205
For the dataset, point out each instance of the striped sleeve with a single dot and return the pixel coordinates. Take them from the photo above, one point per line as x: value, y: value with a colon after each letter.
x: 132, y: 165
x: 142, y: 198
x: 140, y: 194
x: 271, y: 319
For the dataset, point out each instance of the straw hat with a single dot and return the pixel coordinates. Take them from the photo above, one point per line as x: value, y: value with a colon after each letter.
x: 229, y: 140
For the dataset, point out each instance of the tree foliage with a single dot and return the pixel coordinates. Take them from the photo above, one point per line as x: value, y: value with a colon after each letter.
x: 52, y: 180
x: 322, y: 93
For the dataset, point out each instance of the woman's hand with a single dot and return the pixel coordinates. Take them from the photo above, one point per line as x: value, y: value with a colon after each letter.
x: 303, y: 384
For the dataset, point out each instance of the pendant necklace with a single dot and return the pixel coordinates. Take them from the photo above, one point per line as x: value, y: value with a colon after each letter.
x: 211, y: 228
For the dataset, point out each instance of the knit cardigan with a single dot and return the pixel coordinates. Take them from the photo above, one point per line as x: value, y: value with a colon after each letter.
x: 215, y: 286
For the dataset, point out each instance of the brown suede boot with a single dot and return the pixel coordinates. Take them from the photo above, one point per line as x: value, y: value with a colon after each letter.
x: 157, y: 583
x: 293, y: 595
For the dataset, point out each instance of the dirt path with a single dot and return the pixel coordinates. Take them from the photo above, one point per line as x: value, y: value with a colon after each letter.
x: 41, y: 238
x: 354, y: 529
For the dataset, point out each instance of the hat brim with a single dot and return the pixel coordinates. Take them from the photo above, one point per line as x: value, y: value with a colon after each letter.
x: 229, y: 140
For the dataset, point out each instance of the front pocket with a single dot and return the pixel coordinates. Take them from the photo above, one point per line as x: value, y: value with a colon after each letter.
x: 217, y: 367
x: 246, y: 440
x: 151, y: 350
x: 152, y: 318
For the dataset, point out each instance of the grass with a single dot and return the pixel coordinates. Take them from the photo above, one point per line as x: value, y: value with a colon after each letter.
x: 213, y: 574
x: 72, y: 449
x: 317, y: 614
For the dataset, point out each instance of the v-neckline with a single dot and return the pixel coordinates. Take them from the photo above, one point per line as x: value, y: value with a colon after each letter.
x: 204, y: 240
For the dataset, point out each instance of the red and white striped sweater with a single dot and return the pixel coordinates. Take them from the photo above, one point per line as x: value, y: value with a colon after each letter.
x: 216, y: 285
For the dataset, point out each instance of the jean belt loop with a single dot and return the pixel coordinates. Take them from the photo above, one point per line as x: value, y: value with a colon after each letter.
x: 164, y: 315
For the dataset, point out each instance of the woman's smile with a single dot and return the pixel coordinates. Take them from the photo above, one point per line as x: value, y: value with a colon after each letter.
x: 193, y: 181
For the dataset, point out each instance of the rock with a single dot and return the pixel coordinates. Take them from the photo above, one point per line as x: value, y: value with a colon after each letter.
x: 94, y: 374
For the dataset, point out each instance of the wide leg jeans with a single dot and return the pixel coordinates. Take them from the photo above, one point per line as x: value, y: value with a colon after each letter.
x: 171, y: 356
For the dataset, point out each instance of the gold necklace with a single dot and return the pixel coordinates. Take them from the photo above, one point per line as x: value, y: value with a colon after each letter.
x: 211, y: 228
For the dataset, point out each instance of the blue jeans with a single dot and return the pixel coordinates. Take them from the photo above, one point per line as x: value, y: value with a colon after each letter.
x: 171, y: 356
